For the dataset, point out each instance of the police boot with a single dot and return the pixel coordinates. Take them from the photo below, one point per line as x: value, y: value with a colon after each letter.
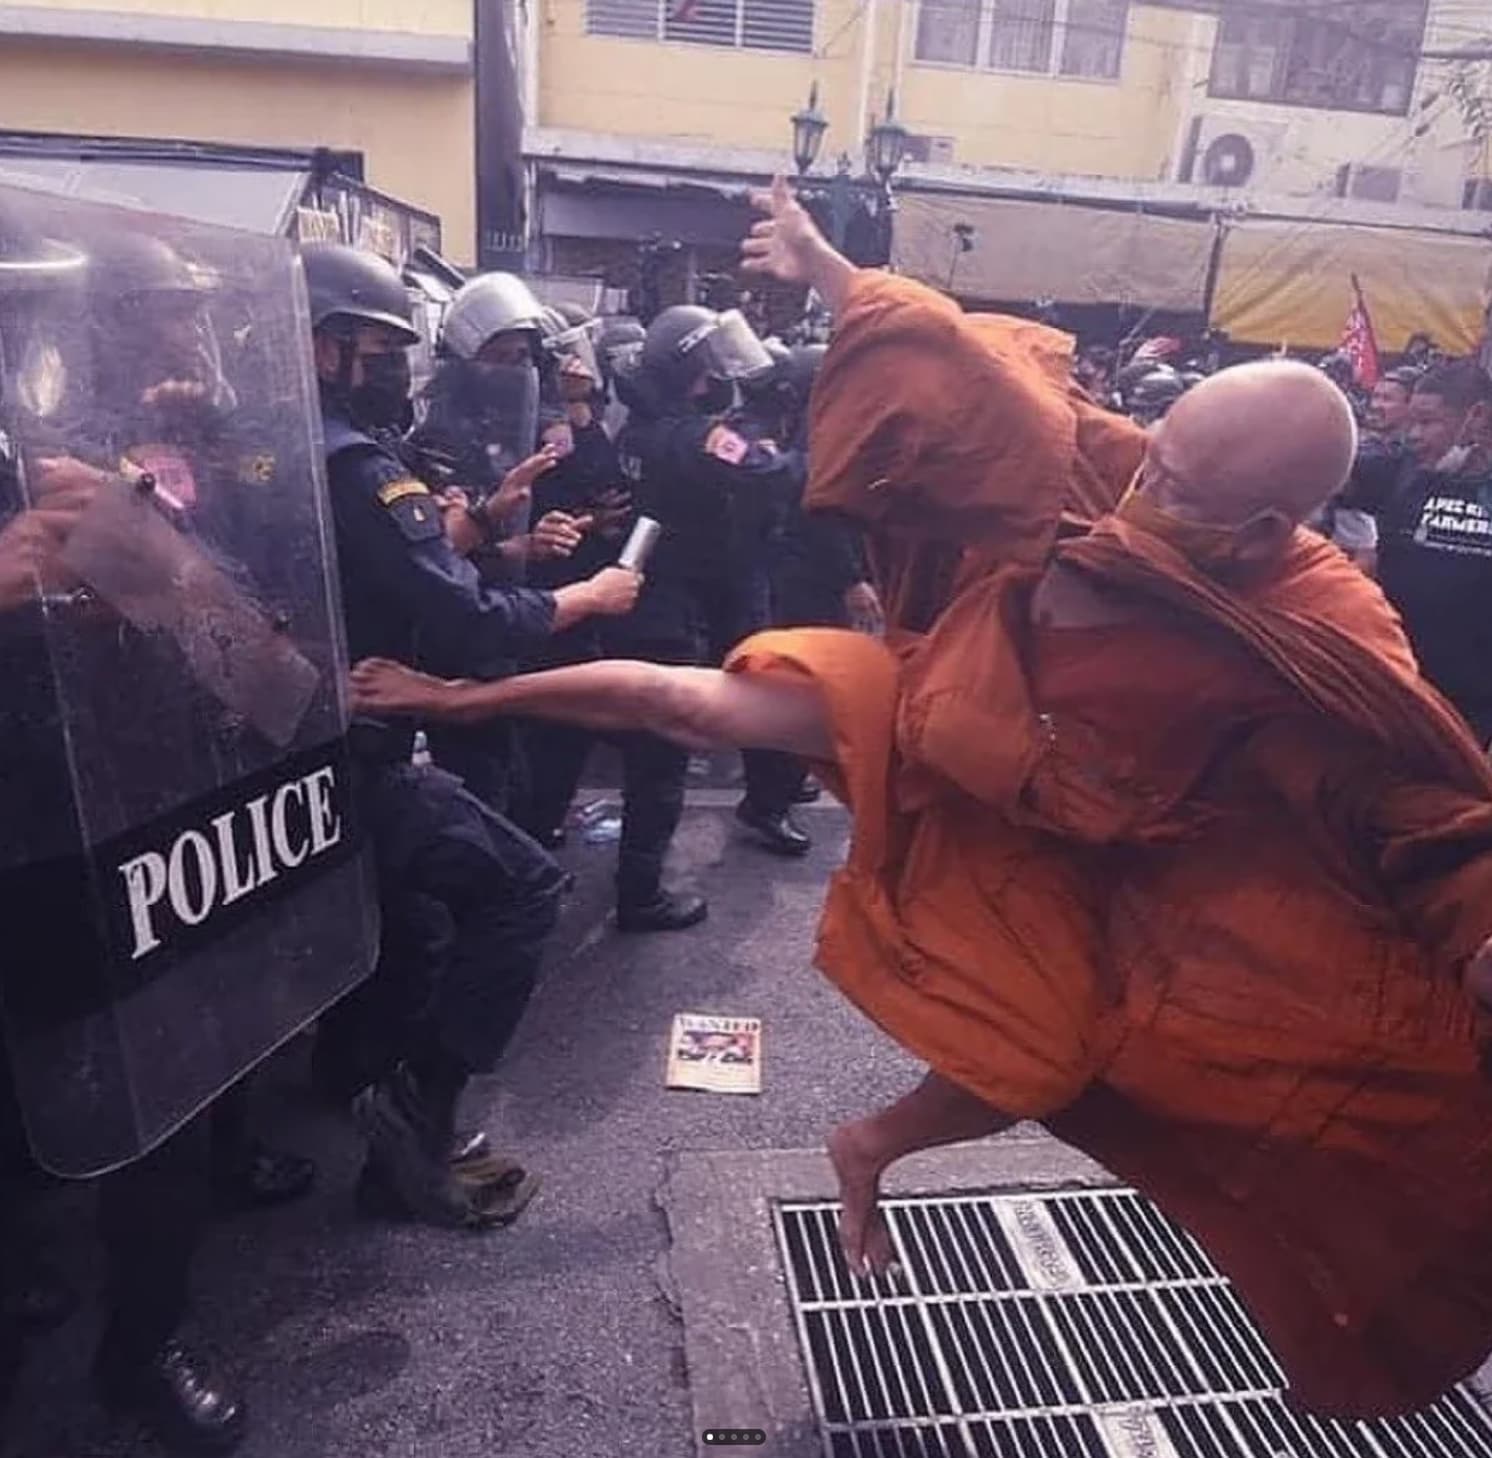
x: 777, y: 831
x: 418, y: 1170
x: 663, y: 911
x: 174, y: 1395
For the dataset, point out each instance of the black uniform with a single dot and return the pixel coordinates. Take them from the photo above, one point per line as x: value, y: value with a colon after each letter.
x: 717, y: 494
x: 441, y: 852
x: 468, y: 439
x: 654, y: 770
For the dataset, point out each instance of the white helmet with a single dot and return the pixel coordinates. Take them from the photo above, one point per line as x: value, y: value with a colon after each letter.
x: 490, y: 304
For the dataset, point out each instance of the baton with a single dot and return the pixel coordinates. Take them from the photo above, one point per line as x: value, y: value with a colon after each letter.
x: 640, y: 544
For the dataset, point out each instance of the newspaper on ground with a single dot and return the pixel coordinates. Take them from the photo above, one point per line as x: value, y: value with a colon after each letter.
x: 715, y: 1054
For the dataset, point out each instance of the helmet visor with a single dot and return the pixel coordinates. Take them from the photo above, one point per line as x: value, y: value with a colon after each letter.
x: 732, y: 350
x: 574, y: 352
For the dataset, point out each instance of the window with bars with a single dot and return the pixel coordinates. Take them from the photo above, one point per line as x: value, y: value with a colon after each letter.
x: 1043, y: 37
x: 756, y: 25
x: 1361, y: 57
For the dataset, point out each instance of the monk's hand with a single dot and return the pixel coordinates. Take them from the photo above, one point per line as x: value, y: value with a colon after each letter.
x: 786, y: 244
x: 1479, y: 976
x: 383, y: 687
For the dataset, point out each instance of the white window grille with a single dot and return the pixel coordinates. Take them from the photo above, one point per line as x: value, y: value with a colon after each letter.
x: 1040, y: 37
x: 755, y: 25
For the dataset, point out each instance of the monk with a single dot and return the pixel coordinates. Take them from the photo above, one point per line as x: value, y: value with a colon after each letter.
x: 1160, y: 839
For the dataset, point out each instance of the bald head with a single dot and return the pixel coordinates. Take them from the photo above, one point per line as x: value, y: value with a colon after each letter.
x: 1275, y: 437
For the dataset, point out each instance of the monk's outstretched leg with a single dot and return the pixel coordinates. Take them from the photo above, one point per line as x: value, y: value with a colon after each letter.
x: 935, y: 1112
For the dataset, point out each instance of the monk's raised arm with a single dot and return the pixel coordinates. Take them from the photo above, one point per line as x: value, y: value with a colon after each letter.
x: 699, y: 708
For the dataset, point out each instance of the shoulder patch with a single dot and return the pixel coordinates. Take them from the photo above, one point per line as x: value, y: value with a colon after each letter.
x: 726, y: 445
x: 398, y: 490
x: 418, y: 516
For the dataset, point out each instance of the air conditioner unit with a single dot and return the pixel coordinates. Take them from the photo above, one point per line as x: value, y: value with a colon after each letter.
x: 1369, y: 184
x: 1229, y: 151
x: 1477, y: 195
x: 932, y: 151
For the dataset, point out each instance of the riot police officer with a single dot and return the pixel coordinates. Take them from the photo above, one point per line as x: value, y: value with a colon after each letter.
x: 478, y: 403
x: 587, y: 484
x: 453, y: 997
x: 152, y: 1211
x: 716, y: 494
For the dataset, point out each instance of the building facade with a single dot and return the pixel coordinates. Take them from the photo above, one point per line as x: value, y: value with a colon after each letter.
x: 656, y: 116
x: 390, y: 79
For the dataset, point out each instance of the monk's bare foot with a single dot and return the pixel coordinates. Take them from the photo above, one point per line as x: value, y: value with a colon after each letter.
x: 863, y: 1233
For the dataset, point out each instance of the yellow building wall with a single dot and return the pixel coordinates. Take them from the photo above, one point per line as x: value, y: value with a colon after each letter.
x: 1123, y: 128
x: 423, y: 17
x: 706, y: 94
x: 415, y: 129
x: 741, y: 98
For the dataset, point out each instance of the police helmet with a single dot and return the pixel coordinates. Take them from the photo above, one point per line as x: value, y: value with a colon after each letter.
x: 356, y: 287
x: 488, y: 305
x: 620, y: 340
x: 1154, y: 393
x: 134, y: 265
x: 776, y: 381
x: 803, y: 366
x: 688, y: 341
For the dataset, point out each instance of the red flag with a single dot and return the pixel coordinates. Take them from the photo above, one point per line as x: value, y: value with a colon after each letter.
x: 1359, y: 343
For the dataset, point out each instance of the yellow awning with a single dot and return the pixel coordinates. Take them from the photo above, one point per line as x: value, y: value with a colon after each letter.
x: 1290, y: 283
x: 1061, y: 251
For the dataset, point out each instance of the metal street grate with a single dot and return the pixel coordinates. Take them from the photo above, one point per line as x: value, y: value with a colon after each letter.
x: 1057, y: 1324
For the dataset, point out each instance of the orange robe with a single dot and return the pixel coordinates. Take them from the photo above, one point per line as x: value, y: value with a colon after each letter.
x: 1196, y: 891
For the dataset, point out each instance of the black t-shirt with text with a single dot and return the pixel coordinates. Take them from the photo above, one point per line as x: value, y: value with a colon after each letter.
x: 1435, y: 565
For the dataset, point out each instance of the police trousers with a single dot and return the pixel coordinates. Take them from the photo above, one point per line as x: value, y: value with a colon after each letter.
x: 467, y: 901
x: 151, y: 1217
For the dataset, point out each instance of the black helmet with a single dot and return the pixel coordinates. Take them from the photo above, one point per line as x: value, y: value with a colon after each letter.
x: 1154, y: 393
x: 803, y: 366
x: 357, y: 287
x: 688, y: 341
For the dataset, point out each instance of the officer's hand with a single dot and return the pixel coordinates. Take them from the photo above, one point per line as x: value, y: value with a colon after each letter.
x: 63, y: 483
x: 556, y: 535
x: 518, y: 485
x: 611, y: 510
x: 381, y: 686
x: 29, y: 544
x: 863, y: 605
x: 613, y: 591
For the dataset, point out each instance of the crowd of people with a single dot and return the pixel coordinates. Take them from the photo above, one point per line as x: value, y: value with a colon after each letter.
x: 994, y: 767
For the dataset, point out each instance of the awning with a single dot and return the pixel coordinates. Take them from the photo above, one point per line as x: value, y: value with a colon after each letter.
x: 1059, y: 251
x: 1291, y: 283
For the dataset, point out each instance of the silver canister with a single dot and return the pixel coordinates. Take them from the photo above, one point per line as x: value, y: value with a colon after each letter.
x: 640, y: 544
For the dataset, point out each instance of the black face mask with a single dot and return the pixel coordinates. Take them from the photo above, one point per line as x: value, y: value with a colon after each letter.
x: 382, y: 401
x: 719, y: 397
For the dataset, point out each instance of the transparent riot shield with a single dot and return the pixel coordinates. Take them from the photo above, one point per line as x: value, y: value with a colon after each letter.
x: 183, y: 880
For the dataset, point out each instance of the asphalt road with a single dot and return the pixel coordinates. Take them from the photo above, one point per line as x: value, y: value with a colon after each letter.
x: 554, y: 1338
